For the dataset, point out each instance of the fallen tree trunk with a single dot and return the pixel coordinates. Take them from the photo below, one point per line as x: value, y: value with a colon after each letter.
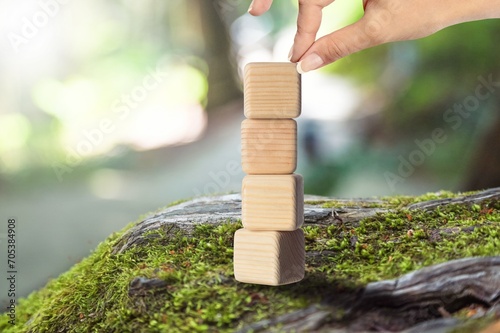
x: 399, y: 264
x: 216, y: 210
x: 392, y: 305
x: 420, y: 301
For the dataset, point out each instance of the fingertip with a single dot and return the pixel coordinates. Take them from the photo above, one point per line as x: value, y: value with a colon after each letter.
x: 250, y: 10
x: 299, y: 68
x: 301, y: 43
x: 259, y: 7
x: 310, y: 62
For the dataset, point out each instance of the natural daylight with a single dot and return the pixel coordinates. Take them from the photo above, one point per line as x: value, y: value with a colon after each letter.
x: 250, y: 166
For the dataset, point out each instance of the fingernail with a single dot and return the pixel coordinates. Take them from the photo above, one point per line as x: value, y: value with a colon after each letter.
x: 250, y: 8
x: 312, y: 61
x: 290, y: 54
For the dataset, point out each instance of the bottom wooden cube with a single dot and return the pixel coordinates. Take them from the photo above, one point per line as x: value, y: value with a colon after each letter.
x: 269, y: 257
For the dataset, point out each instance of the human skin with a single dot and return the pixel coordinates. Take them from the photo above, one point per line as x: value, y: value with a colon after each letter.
x: 383, y: 21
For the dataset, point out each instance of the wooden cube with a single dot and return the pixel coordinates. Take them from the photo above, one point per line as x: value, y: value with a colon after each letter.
x: 269, y: 257
x: 272, y: 202
x: 269, y: 146
x: 272, y: 90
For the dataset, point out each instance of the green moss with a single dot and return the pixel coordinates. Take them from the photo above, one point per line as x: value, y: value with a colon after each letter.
x: 355, y: 204
x: 177, y: 202
x: 315, y: 202
x: 400, y: 241
x: 385, y: 202
x: 475, y: 325
x: 201, y: 294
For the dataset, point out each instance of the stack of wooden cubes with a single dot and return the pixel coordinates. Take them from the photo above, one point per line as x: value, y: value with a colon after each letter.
x: 270, y: 249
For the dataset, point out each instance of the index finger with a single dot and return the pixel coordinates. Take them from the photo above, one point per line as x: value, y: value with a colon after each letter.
x: 308, y: 23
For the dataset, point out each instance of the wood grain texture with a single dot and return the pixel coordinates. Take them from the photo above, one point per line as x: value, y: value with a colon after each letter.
x: 272, y: 202
x: 269, y: 257
x: 272, y: 90
x: 269, y: 146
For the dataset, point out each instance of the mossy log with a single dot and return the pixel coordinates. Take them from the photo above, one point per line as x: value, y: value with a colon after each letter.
x: 397, y: 264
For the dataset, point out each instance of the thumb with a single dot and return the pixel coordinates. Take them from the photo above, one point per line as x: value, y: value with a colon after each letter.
x: 332, y: 47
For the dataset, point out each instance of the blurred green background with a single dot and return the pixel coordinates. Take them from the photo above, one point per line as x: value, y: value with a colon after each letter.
x: 112, y: 109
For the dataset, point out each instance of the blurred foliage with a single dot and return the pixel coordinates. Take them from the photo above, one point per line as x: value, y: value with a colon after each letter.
x: 420, y: 81
x: 45, y: 122
x: 428, y: 75
x: 407, y: 86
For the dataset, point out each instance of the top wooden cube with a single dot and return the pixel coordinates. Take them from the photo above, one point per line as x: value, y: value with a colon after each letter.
x: 272, y: 90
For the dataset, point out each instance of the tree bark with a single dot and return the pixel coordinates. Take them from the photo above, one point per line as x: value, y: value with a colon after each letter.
x: 420, y: 301
x: 223, y: 86
x: 429, y: 293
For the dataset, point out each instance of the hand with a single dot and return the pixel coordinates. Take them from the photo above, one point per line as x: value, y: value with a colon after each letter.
x: 384, y: 21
